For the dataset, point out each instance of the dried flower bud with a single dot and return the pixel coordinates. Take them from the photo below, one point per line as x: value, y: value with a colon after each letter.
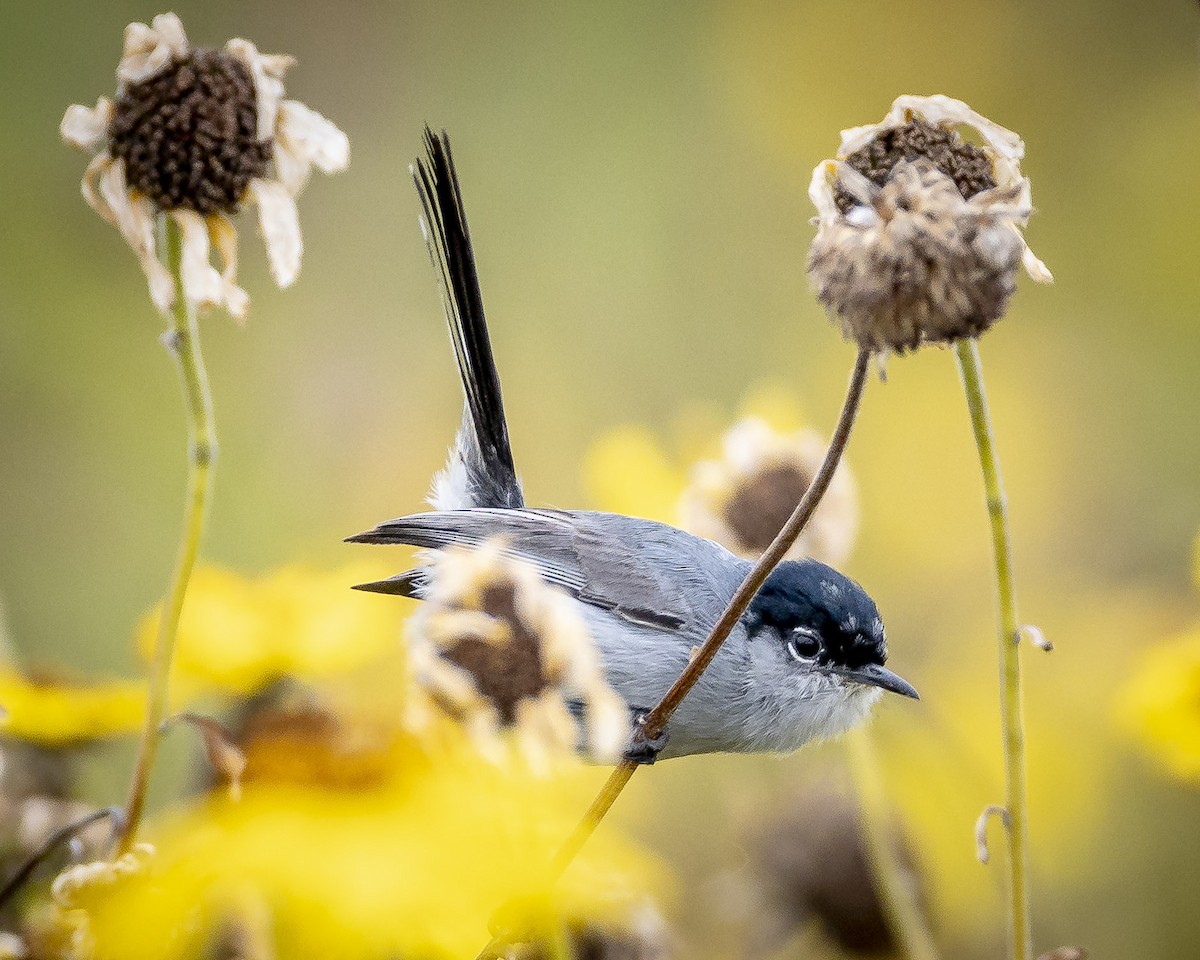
x: 224, y: 756
x: 919, y: 231
x: 502, y: 648
x: 743, y: 500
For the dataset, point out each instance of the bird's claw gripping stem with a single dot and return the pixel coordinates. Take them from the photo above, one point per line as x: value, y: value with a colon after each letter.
x: 643, y: 749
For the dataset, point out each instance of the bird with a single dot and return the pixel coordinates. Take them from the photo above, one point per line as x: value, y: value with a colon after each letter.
x: 805, y: 662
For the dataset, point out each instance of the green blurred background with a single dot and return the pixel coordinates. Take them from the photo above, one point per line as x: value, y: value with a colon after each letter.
x: 636, y: 179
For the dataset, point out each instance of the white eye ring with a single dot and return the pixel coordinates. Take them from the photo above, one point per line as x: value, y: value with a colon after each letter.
x: 804, y: 645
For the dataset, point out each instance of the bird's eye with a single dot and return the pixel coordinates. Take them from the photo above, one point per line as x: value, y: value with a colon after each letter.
x: 804, y: 644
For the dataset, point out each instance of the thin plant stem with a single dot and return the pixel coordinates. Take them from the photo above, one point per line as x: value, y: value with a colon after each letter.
x: 897, y: 892
x: 656, y: 720
x: 182, y: 341
x: 1013, y: 724
x: 49, y: 846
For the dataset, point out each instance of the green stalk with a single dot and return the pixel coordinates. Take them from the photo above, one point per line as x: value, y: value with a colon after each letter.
x: 897, y: 892
x: 182, y: 341
x: 1013, y: 724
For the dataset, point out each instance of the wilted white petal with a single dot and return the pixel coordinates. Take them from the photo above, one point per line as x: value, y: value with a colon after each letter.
x: 855, y: 138
x: 1037, y: 270
x: 267, y: 71
x: 96, y: 169
x: 820, y: 191
x: 169, y: 28
x: 306, y: 133
x: 135, y: 218
x: 224, y: 237
x: 855, y: 184
x: 292, y: 169
x: 201, y: 282
x: 942, y: 109
x: 747, y: 442
x: 279, y: 223
x: 86, y: 127
x: 150, y: 48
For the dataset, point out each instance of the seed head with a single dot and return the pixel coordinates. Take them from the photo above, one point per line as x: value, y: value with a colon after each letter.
x: 919, y: 234
x: 189, y: 134
x: 502, y: 649
x: 743, y: 499
x: 196, y: 134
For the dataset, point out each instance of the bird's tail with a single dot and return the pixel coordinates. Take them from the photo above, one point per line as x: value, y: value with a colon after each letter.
x: 480, y: 470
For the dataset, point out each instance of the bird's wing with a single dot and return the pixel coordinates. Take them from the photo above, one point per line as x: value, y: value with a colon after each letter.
x: 644, y: 571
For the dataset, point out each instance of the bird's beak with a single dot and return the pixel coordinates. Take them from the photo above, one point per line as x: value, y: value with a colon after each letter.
x: 882, y: 677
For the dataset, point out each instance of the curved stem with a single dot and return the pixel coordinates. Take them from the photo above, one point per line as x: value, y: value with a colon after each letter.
x: 182, y: 341
x: 1013, y: 724
x: 897, y: 892
x: 656, y: 719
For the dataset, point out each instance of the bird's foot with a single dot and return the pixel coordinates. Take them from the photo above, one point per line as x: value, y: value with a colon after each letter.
x: 643, y: 749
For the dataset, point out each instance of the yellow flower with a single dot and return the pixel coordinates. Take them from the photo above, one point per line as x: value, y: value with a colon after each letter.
x: 239, y: 635
x: 196, y: 134
x: 742, y: 496
x: 414, y: 867
x: 57, y: 713
x: 1161, y: 704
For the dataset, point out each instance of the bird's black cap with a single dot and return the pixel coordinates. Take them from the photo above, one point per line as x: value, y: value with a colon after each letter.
x: 809, y: 594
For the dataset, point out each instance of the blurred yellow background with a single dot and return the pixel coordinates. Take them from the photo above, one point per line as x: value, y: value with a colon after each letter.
x: 635, y: 178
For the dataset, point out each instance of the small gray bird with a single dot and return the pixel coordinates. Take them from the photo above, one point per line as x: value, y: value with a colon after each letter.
x: 805, y: 662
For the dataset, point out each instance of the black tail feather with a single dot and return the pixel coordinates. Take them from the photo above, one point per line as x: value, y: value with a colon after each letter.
x: 483, y: 444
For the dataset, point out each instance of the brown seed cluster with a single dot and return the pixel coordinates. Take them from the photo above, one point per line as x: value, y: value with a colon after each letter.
x: 759, y: 506
x: 189, y: 134
x: 504, y: 673
x: 964, y: 163
x: 927, y: 267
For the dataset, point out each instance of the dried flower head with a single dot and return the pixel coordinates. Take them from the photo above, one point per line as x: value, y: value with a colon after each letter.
x: 196, y: 134
x: 811, y: 862
x: 743, y: 500
x: 919, y: 230
x: 500, y: 647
